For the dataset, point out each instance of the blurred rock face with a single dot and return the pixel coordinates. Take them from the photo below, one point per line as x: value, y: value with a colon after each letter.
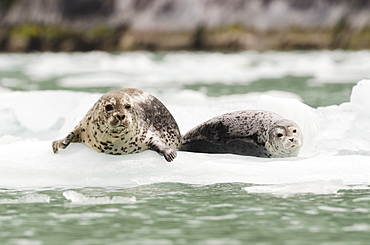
x: 184, y: 24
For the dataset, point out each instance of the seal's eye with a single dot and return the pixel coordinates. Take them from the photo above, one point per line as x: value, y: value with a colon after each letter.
x: 108, y: 107
x: 279, y: 135
x: 127, y: 107
x: 294, y: 131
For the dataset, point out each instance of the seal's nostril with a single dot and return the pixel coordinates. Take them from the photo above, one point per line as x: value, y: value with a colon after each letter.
x: 291, y: 139
x: 121, y: 117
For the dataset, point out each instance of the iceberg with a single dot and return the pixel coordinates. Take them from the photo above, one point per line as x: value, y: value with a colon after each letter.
x: 336, y: 145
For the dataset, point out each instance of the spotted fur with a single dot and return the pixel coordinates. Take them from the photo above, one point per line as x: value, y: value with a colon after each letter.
x: 247, y: 132
x: 124, y: 122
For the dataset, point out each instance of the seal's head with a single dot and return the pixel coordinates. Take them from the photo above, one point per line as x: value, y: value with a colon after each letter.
x: 116, y: 112
x: 286, y: 138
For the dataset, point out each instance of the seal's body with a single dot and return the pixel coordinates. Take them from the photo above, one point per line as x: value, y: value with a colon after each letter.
x: 248, y: 132
x: 126, y: 121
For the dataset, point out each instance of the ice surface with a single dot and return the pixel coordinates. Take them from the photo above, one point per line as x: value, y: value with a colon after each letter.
x: 336, y: 149
x: 78, y: 198
x: 317, y: 187
x: 360, y: 99
x: 36, y: 114
x: 29, y: 198
x: 346, y: 128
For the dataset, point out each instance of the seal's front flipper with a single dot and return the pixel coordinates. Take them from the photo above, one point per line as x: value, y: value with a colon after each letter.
x: 63, y: 143
x: 169, y: 154
x: 164, y: 150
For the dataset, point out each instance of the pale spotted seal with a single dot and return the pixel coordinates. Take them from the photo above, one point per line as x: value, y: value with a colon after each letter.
x: 248, y: 132
x: 126, y: 121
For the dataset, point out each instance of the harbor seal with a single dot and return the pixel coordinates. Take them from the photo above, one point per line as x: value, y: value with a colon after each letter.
x: 126, y: 121
x: 248, y: 132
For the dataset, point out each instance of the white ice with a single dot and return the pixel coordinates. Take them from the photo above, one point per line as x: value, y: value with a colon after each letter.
x: 27, y: 198
x: 317, y: 187
x: 78, y: 198
x: 336, y: 145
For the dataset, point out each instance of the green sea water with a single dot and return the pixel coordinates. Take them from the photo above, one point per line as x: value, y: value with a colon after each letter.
x: 172, y: 213
x: 315, y: 96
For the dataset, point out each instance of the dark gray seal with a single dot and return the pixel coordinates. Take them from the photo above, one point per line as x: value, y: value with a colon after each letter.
x: 248, y: 132
x: 126, y: 121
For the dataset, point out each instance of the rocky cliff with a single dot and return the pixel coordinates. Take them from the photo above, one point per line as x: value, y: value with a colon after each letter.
x: 119, y: 25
